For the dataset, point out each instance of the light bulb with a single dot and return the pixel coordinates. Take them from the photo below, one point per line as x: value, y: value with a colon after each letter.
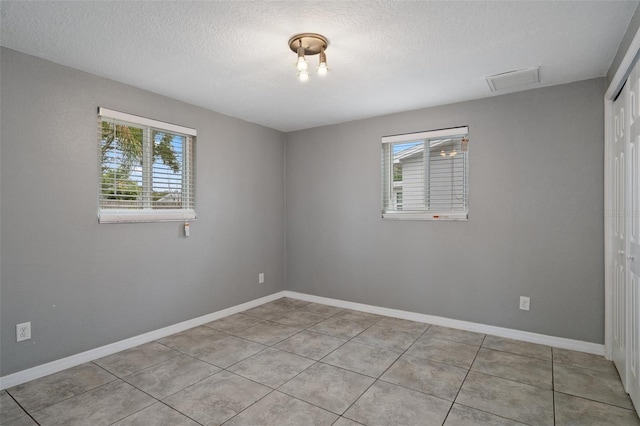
x: 442, y: 153
x: 303, y: 75
x: 323, y: 69
x: 301, y: 64
x: 453, y: 153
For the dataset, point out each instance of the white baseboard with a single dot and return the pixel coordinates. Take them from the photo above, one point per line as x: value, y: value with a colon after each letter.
x: 542, y: 339
x: 93, y: 354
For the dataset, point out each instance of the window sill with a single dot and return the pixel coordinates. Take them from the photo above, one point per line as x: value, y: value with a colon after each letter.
x: 131, y: 216
x: 449, y: 216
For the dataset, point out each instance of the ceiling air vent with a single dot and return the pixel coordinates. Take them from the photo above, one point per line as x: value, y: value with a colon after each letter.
x: 510, y: 79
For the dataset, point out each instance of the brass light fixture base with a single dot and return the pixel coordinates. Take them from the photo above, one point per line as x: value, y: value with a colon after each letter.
x: 312, y: 43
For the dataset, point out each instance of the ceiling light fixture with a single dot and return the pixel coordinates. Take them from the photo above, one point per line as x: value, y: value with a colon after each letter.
x: 308, y: 44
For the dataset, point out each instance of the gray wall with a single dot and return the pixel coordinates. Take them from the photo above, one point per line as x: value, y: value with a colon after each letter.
x: 82, y: 284
x: 632, y: 29
x: 536, y: 215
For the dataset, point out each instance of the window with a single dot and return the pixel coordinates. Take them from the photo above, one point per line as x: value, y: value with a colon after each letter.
x: 425, y: 175
x: 146, y: 169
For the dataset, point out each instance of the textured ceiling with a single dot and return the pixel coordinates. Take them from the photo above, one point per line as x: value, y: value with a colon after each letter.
x: 385, y: 56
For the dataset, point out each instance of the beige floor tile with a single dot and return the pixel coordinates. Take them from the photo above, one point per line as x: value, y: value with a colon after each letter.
x: 137, y: 358
x: 455, y: 335
x: 226, y: 352
x: 583, y: 360
x: 283, y: 410
x: 9, y: 409
x: 101, y: 406
x: 519, y: 368
x: 352, y: 315
x: 21, y: 421
x: 49, y: 390
x: 360, y: 358
x: 288, y: 303
x: 407, y: 326
x: 321, y: 309
x: 171, y: 376
x: 505, y: 398
x: 590, y: 384
x: 300, y: 318
x: 271, y: 367
x: 218, y: 398
x: 328, y: 387
x: 341, y: 327
x: 234, y: 323
x: 385, y: 404
x: 157, y: 414
x: 517, y: 347
x: 193, y: 340
x: 434, y: 378
x: 396, y: 340
x: 343, y: 421
x: 310, y: 345
x: 268, y: 333
x: 273, y: 310
x: 447, y: 351
x: 466, y: 416
x: 571, y: 410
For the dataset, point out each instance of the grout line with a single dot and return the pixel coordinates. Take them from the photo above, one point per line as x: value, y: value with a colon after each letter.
x: 517, y: 354
x: 23, y: 409
x: 180, y: 412
x: 465, y: 378
x: 510, y: 380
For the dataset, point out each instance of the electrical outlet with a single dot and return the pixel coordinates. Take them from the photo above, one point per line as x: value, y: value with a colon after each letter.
x: 23, y: 331
x: 524, y: 303
x: 261, y: 278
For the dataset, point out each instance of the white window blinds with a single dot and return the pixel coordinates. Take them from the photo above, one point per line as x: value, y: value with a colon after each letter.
x: 425, y: 175
x: 146, y: 169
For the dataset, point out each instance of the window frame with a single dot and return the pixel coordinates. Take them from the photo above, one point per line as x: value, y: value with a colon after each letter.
x: 147, y: 213
x: 388, y: 173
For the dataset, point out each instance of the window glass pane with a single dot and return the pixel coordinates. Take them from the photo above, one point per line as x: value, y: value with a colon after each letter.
x: 121, y: 179
x: 408, y: 157
x: 167, y: 181
x: 447, y: 175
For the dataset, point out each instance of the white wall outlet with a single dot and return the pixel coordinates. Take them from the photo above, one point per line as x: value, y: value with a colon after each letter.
x: 524, y: 303
x: 23, y: 331
x: 261, y: 278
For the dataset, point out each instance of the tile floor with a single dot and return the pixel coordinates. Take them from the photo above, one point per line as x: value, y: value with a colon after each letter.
x: 290, y: 362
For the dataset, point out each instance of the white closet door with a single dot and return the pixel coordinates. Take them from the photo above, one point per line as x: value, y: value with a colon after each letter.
x: 633, y: 237
x: 619, y: 290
